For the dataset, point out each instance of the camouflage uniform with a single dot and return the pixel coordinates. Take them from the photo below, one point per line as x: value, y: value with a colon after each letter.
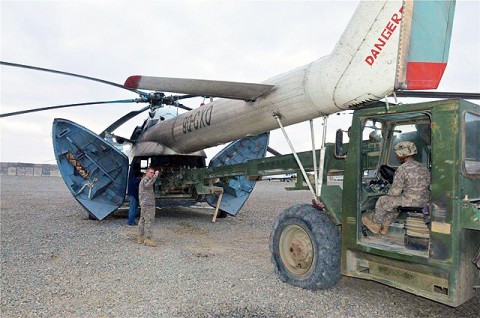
x: 147, y: 204
x: 409, y: 188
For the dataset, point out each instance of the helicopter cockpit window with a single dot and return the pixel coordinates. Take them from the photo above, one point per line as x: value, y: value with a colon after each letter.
x: 144, y: 164
x: 472, y: 144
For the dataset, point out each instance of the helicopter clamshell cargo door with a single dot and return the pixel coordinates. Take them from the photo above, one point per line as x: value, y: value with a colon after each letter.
x: 238, y: 189
x: 93, y: 169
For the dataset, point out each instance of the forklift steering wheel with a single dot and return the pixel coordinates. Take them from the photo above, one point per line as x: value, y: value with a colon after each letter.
x: 387, y: 173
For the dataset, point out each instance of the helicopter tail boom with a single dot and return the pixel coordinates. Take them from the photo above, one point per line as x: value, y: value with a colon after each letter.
x: 365, y: 65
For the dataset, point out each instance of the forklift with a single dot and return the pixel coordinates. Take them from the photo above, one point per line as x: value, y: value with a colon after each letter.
x: 432, y: 251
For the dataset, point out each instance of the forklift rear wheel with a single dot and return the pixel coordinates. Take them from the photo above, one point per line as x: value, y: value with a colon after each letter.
x: 305, y: 247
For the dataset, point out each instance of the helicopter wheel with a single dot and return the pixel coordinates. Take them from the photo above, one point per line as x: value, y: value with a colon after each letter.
x: 222, y: 214
x: 92, y: 217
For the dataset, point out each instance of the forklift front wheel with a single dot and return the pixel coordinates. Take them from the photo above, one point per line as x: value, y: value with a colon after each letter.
x: 305, y: 247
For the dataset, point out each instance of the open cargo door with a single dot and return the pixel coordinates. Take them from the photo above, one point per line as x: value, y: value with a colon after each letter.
x: 238, y: 188
x: 94, y: 170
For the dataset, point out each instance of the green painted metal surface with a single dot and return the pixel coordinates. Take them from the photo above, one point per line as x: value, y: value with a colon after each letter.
x: 444, y: 271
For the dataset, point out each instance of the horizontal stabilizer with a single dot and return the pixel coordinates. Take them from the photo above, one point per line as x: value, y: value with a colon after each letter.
x: 424, y: 43
x: 199, y: 87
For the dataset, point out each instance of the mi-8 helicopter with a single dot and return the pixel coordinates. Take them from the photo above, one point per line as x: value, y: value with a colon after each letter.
x: 377, y: 55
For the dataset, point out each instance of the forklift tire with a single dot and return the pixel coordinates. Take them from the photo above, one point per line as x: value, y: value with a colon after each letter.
x: 305, y: 247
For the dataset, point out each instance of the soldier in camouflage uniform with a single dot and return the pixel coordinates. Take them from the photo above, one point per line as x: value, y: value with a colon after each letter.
x: 409, y: 188
x: 147, y: 203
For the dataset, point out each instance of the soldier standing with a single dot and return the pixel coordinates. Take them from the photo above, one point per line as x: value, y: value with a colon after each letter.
x: 133, y: 197
x: 409, y: 188
x: 147, y: 204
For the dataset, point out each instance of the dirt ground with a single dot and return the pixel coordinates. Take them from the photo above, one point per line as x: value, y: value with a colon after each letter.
x: 56, y: 262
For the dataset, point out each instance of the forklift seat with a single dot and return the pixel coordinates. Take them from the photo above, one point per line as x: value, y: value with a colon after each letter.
x: 409, y: 209
x: 415, y: 211
x: 417, y: 232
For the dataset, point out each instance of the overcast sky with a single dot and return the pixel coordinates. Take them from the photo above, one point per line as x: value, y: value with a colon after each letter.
x: 222, y: 40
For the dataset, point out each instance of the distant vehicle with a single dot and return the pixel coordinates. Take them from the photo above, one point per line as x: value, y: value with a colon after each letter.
x: 285, y: 177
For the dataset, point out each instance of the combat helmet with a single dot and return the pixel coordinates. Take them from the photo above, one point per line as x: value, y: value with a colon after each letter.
x: 405, y: 148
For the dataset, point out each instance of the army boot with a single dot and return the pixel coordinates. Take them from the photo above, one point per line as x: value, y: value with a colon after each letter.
x: 373, y: 227
x: 149, y: 242
x: 140, y: 240
x: 384, y: 229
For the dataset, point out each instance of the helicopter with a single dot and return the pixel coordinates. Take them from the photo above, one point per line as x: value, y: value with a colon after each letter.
x: 377, y: 56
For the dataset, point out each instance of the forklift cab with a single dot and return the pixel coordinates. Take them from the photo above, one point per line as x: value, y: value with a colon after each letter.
x: 409, y: 232
x: 432, y: 251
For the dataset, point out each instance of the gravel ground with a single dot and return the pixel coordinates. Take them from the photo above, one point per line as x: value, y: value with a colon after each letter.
x: 56, y: 263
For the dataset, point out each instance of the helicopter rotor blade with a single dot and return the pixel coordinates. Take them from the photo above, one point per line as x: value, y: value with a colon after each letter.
x: 171, y: 100
x: 33, y: 110
x: 72, y: 74
x: 132, y: 114
x: 182, y: 106
x: 122, y: 120
x: 144, y: 97
x: 178, y: 97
